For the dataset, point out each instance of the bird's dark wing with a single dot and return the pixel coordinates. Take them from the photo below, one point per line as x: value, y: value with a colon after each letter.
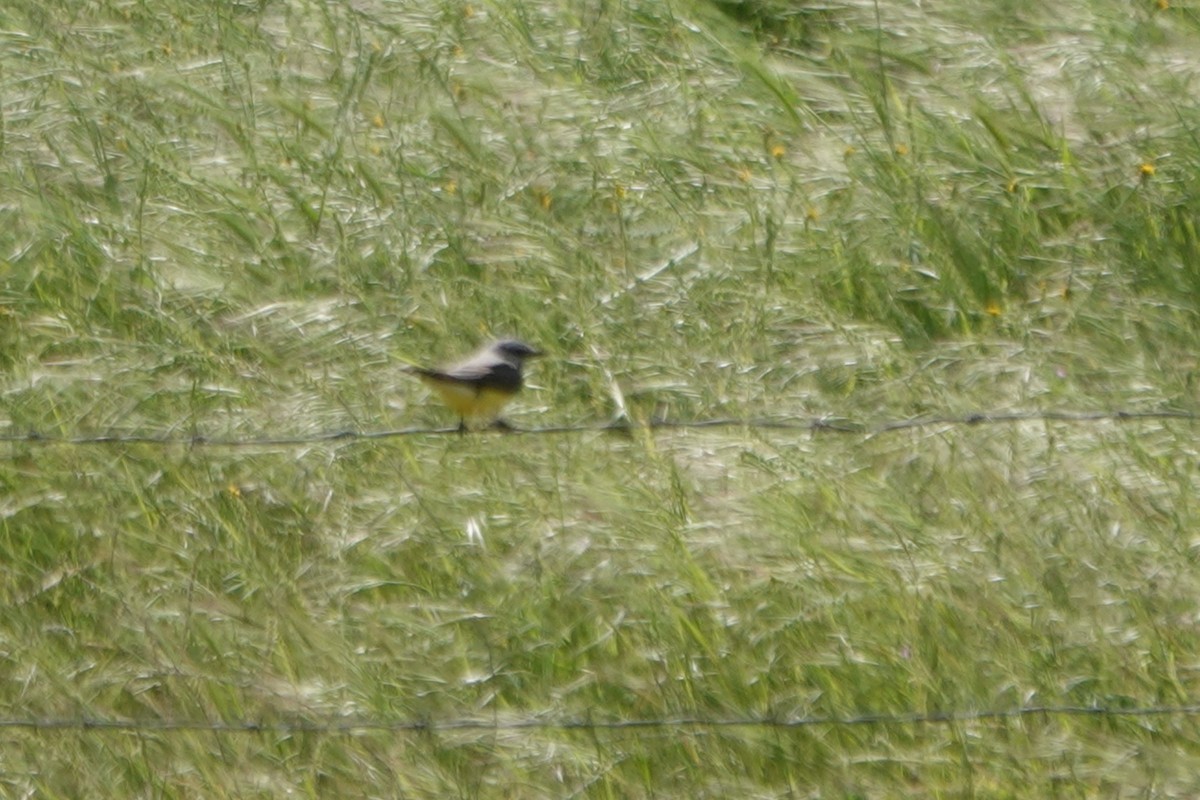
x: 477, y: 375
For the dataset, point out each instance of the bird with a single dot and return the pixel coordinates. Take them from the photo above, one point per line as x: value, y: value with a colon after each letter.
x: 479, y: 386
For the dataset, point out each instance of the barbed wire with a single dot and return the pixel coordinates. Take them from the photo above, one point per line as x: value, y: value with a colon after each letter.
x: 829, y: 424
x: 344, y: 726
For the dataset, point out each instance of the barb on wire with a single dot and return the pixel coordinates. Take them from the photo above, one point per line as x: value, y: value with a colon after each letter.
x: 351, y: 725
x: 830, y: 424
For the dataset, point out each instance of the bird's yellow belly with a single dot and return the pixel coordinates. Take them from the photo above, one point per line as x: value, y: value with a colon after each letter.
x: 468, y: 402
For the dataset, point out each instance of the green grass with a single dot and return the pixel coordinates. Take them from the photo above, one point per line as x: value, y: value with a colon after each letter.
x: 242, y: 220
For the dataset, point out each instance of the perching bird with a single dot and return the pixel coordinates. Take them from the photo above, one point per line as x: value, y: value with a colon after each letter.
x: 479, y: 387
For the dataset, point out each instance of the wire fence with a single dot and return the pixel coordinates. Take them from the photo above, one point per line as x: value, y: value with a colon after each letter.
x: 349, y: 725
x: 346, y: 726
x: 829, y: 424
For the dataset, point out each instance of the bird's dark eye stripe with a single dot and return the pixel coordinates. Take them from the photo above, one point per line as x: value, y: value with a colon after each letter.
x: 517, y: 348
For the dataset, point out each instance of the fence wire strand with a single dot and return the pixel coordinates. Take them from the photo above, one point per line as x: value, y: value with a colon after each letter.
x: 826, y: 424
x: 348, y: 726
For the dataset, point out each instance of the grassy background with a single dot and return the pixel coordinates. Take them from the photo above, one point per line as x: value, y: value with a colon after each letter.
x: 241, y: 219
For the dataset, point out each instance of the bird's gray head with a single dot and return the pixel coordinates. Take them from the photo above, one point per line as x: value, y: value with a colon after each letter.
x: 514, y: 350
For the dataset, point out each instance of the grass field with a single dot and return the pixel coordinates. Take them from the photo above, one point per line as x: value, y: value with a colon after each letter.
x: 241, y: 220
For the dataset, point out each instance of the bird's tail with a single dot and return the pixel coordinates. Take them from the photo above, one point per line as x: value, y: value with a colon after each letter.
x: 420, y: 372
